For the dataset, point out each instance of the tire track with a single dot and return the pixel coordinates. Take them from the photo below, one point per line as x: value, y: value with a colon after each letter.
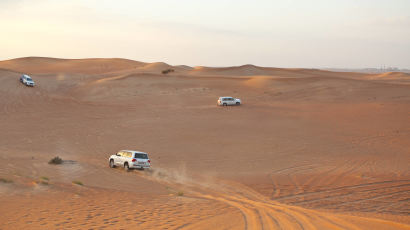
x: 259, y: 212
x: 369, y: 199
x: 292, y: 218
x: 278, y: 226
x: 337, y: 196
x: 338, y: 189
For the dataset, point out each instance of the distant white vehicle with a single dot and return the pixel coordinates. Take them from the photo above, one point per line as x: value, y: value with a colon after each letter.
x: 130, y: 159
x: 225, y: 101
x: 26, y: 80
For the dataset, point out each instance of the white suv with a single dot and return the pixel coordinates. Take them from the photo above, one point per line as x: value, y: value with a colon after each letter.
x: 25, y: 79
x: 225, y: 101
x: 130, y: 159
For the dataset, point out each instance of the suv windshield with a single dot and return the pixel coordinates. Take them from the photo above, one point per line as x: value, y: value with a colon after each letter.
x: 141, y: 156
x: 29, y: 79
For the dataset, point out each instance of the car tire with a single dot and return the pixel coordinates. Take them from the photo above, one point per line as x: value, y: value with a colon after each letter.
x: 238, y: 103
x: 126, y: 166
x: 112, y: 165
x: 224, y: 104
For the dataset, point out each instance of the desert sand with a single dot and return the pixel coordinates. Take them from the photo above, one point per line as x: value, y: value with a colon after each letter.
x: 308, y: 149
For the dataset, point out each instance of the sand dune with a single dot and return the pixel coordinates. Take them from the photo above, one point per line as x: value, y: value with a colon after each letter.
x: 107, y: 66
x: 37, y: 65
x: 308, y: 149
x: 252, y: 70
x: 246, y: 70
x: 91, y: 66
x: 394, y: 77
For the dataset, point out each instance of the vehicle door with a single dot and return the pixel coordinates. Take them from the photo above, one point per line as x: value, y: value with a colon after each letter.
x: 118, y: 158
x: 231, y: 101
x: 128, y: 158
x: 124, y: 157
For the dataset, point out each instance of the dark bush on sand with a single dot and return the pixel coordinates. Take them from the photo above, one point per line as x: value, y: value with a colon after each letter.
x: 56, y: 161
x: 167, y: 71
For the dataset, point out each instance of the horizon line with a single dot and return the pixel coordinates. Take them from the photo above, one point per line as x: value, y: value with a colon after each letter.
x: 382, y: 67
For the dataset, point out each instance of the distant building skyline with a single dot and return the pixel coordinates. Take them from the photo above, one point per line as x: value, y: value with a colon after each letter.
x: 289, y: 33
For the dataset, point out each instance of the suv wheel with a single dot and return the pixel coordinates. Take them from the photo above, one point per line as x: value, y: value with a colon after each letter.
x: 224, y: 104
x: 112, y: 165
x: 126, y: 167
x: 238, y: 103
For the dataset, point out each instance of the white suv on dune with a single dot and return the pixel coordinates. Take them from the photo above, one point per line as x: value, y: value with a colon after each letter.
x: 25, y: 79
x: 225, y: 101
x: 130, y: 159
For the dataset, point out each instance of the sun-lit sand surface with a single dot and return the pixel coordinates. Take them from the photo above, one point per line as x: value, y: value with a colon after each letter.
x: 308, y: 149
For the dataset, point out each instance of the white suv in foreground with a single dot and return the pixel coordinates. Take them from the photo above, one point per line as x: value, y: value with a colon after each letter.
x: 225, y: 101
x: 25, y: 79
x: 130, y: 159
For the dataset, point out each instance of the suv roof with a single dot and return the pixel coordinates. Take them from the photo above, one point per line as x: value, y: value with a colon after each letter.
x: 132, y: 151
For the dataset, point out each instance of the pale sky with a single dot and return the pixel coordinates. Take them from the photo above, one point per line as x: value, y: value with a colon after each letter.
x: 283, y: 33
